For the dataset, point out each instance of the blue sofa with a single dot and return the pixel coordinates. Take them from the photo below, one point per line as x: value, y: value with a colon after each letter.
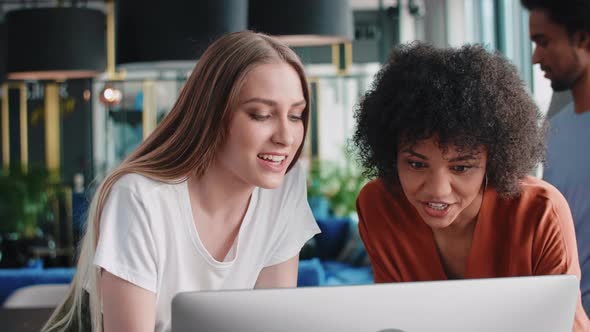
x: 325, y: 264
x: 13, y: 279
x: 312, y: 272
x: 337, y: 257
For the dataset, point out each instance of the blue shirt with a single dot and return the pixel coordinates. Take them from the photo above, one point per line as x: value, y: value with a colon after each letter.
x: 568, y: 169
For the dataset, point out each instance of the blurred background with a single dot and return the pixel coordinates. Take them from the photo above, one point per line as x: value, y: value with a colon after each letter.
x: 84, y: 82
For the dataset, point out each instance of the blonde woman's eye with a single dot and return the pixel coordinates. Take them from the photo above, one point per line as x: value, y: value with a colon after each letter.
x: 298, y: 117
x: 259, y: 117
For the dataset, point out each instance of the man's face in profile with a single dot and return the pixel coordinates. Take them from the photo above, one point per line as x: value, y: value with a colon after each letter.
x: 555, y: 50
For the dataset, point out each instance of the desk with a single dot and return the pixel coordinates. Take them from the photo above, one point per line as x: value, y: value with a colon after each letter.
x: 25, y: 320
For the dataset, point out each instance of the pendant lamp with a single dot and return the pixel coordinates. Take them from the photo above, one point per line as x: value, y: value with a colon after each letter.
x: 55, y: 43
x: 156, y: 30
x: 303, y: 22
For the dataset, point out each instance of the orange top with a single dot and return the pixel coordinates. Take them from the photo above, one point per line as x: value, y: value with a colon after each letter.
x: 532, y: 234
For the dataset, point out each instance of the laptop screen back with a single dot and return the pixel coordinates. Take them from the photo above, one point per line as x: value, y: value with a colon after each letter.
x: 519, y: 304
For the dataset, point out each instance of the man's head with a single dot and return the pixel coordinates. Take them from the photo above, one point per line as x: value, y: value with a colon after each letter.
x: 561, y: 32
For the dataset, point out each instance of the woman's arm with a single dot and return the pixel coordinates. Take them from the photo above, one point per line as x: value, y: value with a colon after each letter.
x: 125, y: 306
x: 279, y: 275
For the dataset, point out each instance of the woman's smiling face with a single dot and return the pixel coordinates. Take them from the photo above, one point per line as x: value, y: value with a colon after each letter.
x: 267, y: 128
x: 444, y: 185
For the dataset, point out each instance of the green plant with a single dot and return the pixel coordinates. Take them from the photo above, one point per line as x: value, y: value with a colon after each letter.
x: 23, y: 200
x: 339, y: 183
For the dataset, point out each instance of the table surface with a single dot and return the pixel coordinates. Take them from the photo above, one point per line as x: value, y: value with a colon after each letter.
x: 24, y: 320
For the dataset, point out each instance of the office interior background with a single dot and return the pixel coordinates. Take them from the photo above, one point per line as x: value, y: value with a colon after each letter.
x: 84, y: 82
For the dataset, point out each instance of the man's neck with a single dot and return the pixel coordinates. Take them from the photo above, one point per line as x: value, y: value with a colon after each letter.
x: 581, y: 93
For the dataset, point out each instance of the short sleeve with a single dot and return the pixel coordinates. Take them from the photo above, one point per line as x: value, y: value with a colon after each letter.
x: 126, y: 246
x: 300, y: 224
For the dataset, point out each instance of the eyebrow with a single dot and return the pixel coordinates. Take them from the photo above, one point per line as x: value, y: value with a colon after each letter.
x: 415, y: 154
x: 456, y: 159
x: 272, y: 103
x: 464, y: 158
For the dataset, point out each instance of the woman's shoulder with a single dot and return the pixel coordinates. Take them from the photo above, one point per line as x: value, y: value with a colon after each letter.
x: 537, y: 191
x: 138, y: 184
x: 536, y: 198
x: 376, y: 190
x: 382, y: 201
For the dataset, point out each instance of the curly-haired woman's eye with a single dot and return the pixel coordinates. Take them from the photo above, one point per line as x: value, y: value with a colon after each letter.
x: 461, y: 168
x: 416, y: 164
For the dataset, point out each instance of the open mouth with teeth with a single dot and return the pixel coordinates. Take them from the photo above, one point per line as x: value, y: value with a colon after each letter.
x: 273, y: 159
x: 438, y: 206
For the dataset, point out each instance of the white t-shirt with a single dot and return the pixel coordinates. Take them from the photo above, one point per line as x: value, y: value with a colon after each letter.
x: 148, y: 237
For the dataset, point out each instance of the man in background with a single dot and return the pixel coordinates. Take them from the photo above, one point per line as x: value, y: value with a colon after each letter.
x: 561, y: 33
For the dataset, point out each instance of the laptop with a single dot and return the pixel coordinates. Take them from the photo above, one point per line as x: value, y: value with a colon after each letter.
x: 516, y: 304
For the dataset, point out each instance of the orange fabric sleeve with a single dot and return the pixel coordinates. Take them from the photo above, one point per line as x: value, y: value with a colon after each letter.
x: 379, y: 274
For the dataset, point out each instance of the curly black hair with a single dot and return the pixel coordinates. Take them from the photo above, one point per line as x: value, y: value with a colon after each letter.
x: 574, y: 15
x: 467, y: 97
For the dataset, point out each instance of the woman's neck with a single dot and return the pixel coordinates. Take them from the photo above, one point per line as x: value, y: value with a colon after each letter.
x: 220, y: 194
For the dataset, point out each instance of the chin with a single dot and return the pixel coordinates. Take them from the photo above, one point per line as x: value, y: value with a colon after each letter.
x: 270, y: 182
x: 437, y: 223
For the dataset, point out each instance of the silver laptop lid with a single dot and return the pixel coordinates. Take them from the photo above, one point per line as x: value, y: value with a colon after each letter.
x: 518, y: 304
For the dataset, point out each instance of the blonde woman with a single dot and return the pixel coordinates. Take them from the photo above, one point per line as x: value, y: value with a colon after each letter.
x: 213, y: 199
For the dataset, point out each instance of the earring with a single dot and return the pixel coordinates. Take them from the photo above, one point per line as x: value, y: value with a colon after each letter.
x: 485, y: 184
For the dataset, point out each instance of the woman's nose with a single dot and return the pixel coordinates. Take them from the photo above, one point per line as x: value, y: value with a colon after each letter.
x: 284, y: 133
x: 438, y: 185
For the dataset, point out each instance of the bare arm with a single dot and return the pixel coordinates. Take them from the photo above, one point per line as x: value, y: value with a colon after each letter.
x: 282, y: 275
x: 126, y: 307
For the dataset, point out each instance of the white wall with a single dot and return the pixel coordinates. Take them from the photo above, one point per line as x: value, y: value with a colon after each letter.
x: 338, y: 97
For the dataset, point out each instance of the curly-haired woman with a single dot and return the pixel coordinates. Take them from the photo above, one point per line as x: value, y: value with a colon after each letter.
x: 450, y: 136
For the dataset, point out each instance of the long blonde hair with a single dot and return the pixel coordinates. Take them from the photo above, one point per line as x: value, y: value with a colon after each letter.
x: 184, y: 143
